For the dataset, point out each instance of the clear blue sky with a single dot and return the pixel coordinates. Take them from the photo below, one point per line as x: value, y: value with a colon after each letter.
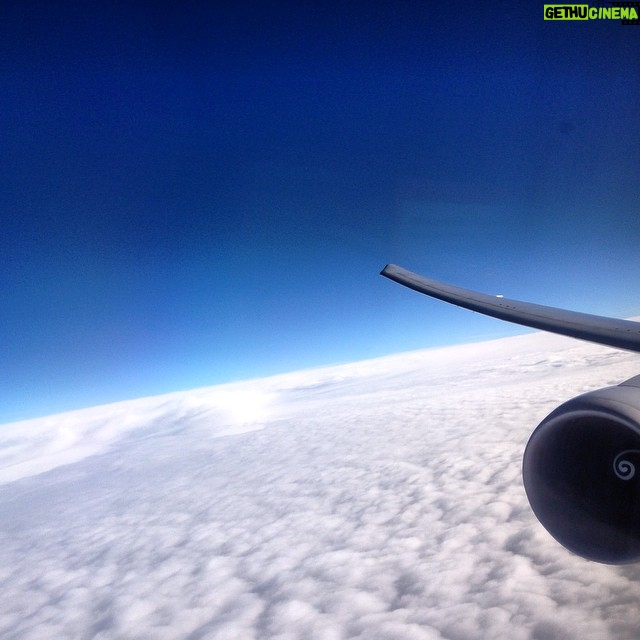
x: 197, y: 192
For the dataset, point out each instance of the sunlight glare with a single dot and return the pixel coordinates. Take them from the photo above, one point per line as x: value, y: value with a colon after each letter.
x: 244, y: 406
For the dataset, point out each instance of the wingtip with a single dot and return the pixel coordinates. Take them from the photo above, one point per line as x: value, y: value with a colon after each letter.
x: 388, y: 269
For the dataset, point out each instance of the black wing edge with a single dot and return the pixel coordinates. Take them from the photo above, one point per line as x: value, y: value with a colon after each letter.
x: 620, y: 334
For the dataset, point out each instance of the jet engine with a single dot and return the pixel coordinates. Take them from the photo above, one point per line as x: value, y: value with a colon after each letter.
x: 581, y: 472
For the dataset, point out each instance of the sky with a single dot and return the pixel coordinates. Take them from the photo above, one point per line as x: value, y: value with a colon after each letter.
x: 200, y: 192
x: 377, y: 499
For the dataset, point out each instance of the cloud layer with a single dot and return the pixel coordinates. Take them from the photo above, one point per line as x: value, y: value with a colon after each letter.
x: 380, y: 499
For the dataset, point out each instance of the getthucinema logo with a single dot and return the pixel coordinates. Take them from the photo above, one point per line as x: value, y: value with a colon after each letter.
x: 627, y: 12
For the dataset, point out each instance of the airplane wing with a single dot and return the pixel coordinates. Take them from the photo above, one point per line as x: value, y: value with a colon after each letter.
x: 621, y: 334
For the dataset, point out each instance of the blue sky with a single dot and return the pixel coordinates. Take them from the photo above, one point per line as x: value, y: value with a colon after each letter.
x: 197, y: 192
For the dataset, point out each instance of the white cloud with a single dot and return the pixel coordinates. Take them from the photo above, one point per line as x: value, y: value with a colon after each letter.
x: 380, y: 499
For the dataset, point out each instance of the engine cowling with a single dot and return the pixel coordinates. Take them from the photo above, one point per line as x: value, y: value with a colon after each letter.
x: 581, y: 472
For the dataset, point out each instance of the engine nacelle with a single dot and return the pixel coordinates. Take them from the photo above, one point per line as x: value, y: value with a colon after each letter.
x: 581, y: 472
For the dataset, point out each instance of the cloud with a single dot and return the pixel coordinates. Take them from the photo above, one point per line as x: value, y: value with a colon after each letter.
x: 380, y: 499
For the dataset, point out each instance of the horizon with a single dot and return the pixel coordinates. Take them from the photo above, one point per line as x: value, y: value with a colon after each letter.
x: 462, y: 348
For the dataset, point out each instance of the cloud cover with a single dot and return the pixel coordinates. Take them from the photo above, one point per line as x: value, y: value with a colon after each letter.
x: 380, y: 499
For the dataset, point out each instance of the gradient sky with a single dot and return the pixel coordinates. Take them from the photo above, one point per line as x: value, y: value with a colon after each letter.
x: 197, y: 192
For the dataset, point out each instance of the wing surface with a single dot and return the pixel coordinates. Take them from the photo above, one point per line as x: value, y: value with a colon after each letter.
x: 621, y: 334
